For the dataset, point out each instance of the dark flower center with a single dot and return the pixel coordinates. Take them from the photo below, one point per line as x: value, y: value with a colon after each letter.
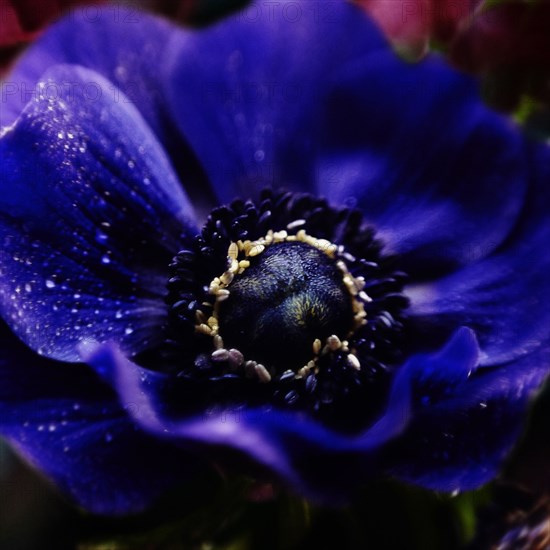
x: 288, y: 302
x: 291, y: 295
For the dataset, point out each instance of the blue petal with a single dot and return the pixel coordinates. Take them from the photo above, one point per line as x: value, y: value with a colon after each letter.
x: 124, y: 45
x: 128, y: 48
x: 70, y: 425
x: 105, y: 358
x: 304, y: 454
x: 505, y: 297
x: 247, y: 92
x: 241, y: 94
x: 441, y: 177
x: 461, y: 442
x: 90, y: 216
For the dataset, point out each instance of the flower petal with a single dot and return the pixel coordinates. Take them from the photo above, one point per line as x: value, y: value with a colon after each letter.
x: 505, y: 297
x: 461, y: 442
x: 246, y: 91
x: 70, y: 425
x: 90, y: 216
x: 440, y: 176
x: 130, y: 49
x: 307, y: 456
x: 92, y: 37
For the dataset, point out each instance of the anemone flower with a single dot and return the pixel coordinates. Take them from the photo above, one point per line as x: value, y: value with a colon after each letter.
x: 268, y: 245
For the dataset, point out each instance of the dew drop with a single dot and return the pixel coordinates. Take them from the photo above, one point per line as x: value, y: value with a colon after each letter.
x: 50, y: 283
x: 105, y: 259
x: 101, y: 237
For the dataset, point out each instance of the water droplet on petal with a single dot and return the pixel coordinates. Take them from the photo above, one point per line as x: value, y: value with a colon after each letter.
x: 101, y: 237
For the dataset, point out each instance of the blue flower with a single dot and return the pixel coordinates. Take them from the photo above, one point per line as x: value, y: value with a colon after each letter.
x: 398, y: 327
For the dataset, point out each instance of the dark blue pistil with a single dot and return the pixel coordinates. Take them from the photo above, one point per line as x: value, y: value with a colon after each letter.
x: 290, y: 295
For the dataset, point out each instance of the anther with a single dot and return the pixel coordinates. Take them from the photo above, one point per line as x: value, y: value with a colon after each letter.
x: 316, y: 346
x: 263, y: 373
x: 236, y: 358
x: 353, y: 361
x: 334, y: 343
x: 220, y: 355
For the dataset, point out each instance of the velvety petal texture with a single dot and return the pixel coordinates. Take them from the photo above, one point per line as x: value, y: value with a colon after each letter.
x: 90, y: 216
x: 112, y: 41
x: 136, y: 129
x: 249, y: 106
x: 320, y: 462
x: 460, y: 441
x: 427, y: 202
x: 505, y: 296
x: 70, y: 425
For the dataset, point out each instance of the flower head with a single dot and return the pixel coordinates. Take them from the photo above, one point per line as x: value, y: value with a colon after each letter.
x: 183, y: 292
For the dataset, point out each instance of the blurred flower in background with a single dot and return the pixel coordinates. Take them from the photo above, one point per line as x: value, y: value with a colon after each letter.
x: 414, y: 26
x: 506, y: 43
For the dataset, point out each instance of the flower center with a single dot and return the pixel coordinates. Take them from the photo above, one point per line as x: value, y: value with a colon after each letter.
x: 289, y: 295
x: 286, y: 303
